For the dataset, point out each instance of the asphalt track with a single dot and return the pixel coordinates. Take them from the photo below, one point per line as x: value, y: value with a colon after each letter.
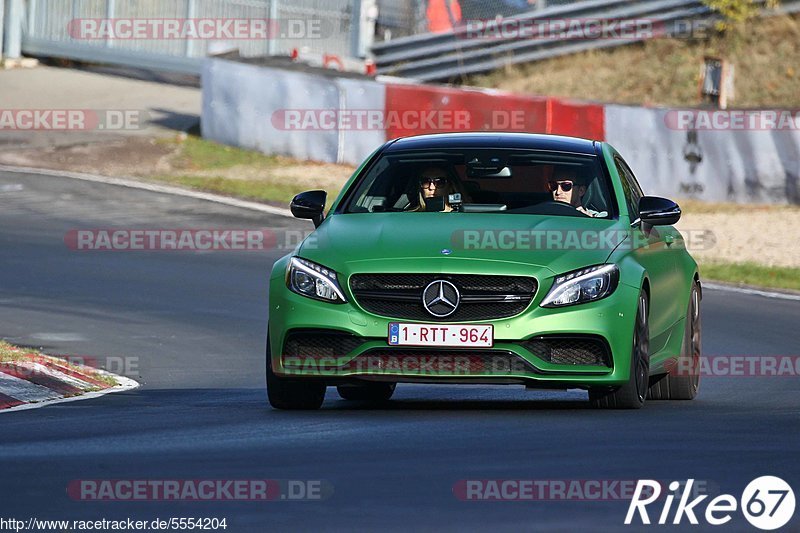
x: 192, y: 326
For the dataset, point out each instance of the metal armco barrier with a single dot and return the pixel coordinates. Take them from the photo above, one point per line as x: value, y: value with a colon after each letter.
x: 453, y: 55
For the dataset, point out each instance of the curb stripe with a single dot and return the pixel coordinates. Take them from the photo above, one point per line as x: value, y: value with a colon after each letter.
x: 40, y: 369
x: 7, y: 401
x: 24, y: 390
x: 27, y: 374
x: 52, y: 365
x: 126, y: 384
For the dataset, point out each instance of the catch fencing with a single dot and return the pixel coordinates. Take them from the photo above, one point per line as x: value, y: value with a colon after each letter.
x: 51, y: 29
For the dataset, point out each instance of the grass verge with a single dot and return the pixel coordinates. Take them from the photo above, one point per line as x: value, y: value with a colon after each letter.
x: 208, y: 166
x: 786, y: 278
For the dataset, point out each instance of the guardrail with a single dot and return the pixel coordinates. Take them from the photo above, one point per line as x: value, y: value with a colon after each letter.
x: 455, y: 54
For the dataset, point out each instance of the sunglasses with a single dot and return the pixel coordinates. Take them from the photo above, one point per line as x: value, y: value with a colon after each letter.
x: 553, y: 186
x: 426, y: 182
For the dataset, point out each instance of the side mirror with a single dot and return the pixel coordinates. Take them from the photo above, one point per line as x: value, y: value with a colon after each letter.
x: 310, y: 204
x: 656, y: 211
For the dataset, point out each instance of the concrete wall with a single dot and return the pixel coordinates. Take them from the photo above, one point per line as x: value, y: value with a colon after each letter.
x: 745, y: 166
x: 279, y: 111
x: 252, y: 107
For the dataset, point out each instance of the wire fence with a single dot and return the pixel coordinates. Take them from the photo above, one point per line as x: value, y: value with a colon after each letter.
x: 401, y: 18
x: 50, y: 27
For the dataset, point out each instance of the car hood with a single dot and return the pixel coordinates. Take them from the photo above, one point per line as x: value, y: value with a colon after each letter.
x: 442, y: 242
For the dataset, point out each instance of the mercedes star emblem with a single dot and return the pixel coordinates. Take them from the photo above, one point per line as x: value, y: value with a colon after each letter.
x: 441, y: 298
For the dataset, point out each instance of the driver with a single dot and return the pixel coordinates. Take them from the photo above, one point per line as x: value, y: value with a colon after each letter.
x: 435, y: 183
x: 568, y: 187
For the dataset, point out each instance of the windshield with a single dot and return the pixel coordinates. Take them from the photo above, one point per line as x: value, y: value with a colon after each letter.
x: 483, y: 181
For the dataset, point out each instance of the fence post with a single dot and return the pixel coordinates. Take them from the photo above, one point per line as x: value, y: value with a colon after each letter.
x: 355, y: 27
x: 363, y: 26
x: 272, y: 43
x: 13, y: 31
x: 2, y: 25
x: 111, y: 13
x: 191, y: 9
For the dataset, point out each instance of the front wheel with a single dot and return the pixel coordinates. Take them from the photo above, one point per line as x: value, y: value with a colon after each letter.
x: 292, y: 394
x: 632, y: 394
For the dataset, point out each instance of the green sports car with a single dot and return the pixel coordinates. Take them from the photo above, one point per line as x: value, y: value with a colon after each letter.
x: 486, y: 258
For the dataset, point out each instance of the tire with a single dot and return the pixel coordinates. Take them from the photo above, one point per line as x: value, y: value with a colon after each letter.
x: 683, y: 382
x: 292, y: 394
x: 374, y: 392
x: 632, y: 394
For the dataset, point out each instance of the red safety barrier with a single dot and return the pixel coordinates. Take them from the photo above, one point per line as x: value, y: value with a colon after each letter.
x: 419, y: 109
x: 576, y: 119
x: 414, y: 109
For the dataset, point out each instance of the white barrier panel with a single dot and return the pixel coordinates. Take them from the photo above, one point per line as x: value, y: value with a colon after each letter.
x: 289, y: 113
x: 358, y: 143
x: 744, y: 166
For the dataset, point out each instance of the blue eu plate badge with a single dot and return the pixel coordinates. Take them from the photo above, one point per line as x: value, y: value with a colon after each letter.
x: 394, y: 333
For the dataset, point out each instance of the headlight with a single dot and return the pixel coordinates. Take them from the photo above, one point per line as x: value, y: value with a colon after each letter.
x: 581, y: 286
x: 313, y: 280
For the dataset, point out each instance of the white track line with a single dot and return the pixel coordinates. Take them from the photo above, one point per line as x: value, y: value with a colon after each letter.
x: 152, y: 187
x: 750, y: 290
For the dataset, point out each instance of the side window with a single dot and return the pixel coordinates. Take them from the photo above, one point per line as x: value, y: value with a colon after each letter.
x: 630, y: 186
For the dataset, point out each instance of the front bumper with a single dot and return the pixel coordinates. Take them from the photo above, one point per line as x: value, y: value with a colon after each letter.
x: 511, y: 360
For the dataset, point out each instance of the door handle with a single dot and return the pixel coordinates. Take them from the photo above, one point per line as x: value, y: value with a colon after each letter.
x: 669, y: 239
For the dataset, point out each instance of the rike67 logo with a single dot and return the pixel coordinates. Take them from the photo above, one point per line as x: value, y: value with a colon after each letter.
x: 767, y: 503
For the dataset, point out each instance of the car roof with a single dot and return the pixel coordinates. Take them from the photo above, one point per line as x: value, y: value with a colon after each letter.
x: 531, y: 141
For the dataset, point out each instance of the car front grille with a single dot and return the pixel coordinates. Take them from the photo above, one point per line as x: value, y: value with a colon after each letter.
x: 319, y: 343
x: 570, y: 350
x: 482, y: 297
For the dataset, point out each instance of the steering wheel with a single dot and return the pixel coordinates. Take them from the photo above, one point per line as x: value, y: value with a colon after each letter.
x: 560, y: 207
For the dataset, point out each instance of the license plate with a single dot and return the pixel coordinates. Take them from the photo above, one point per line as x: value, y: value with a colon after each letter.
x: 446, y: 335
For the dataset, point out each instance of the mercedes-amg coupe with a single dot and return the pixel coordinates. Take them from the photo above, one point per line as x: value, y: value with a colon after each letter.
x: 486, y: 258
